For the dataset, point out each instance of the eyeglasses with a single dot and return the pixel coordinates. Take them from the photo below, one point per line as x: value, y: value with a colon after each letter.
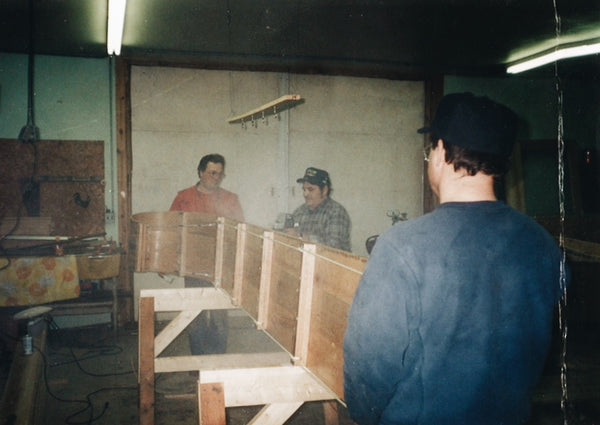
x: 216, y: 174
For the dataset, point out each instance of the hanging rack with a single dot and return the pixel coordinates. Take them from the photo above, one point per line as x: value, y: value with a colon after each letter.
x: 272, y: 108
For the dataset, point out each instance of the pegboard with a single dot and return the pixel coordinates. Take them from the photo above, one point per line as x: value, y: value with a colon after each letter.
x: 60, y: 179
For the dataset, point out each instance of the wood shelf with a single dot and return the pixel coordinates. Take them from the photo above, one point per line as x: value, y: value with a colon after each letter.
x: 272, y: 108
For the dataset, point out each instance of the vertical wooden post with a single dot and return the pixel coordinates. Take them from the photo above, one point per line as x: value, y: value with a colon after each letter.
x: 183, y: 244
x: 240, y: 257
x: 265, y: 279
x: 330, y: 412
x: 212, y: 404
x: 219, y: 251
x: 307, y: 278
x: 124, y: 166
x: 146, y: 360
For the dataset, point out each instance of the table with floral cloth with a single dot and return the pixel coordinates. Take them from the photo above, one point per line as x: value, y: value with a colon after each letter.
x: 26, y: 281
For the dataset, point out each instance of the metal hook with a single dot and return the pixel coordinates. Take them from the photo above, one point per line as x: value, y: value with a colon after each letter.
x: 81, y: 202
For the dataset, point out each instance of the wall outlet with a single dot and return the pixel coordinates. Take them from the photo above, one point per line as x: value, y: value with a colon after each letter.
x: 109, y: 217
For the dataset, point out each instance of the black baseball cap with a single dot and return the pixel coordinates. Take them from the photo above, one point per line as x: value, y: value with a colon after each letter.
x: 474, y: 122
x: 315, y: 176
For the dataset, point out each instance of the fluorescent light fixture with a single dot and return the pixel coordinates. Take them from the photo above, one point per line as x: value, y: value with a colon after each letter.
x: 561, y: 52
x: 116, y: 20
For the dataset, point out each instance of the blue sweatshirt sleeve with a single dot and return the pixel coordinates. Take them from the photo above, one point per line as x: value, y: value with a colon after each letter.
x: 377, y: 339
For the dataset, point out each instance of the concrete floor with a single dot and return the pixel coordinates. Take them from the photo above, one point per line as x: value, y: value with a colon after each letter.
x: 92, y: 379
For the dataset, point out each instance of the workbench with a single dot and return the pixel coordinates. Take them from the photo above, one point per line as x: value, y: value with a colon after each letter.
x: 56, y: 281
x: 101, y: 271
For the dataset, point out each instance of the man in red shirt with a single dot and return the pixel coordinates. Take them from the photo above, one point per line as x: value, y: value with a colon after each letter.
x: 207, y: 196
x: 208, y: 332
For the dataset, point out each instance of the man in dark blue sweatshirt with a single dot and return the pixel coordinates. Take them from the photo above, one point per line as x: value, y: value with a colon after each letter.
x: 452, y: 320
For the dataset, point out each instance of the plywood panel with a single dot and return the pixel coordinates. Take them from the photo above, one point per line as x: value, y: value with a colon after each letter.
x: 250, y: 269
x: 284, y: 291
x: 60, y: 179
x: 337, y: 274
x: 199, y: 234
x: 58, y: 200
x: 228, y: 252
x: 24, y: 226
x: 157, y: 245
x: 175, y: 242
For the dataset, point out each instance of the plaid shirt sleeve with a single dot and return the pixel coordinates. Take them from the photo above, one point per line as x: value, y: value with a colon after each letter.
x: 337, y: 231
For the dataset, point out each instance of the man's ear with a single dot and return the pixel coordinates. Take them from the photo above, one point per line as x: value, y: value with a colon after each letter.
x: 438, y: 153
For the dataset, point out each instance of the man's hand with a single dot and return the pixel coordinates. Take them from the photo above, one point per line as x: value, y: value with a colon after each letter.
x: 292, y: 232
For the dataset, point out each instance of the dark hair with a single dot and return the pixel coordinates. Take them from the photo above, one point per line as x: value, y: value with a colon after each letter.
x: 474, y: 162
x: 213, y: 157
x: 321, y: 185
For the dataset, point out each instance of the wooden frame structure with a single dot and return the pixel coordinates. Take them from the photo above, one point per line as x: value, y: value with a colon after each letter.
x: 297, y: 293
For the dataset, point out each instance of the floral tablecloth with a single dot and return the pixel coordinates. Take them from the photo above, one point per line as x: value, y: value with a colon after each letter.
x: 28, y: 281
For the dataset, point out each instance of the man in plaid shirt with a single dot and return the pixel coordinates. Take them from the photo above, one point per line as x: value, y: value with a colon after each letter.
x: 321, y: 219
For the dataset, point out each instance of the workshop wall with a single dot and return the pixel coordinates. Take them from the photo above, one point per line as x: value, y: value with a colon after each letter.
x: 72, y: 102
x: 363, y: 131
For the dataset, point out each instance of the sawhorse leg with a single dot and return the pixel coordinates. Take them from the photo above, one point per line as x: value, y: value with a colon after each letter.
x: 212, y: 404
x: 146, y: 361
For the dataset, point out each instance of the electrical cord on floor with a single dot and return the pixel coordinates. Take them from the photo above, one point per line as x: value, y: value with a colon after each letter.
x: 96, y: 352
x: 87, y: 403
x: 78, y: 363
x: 72, y: 358
x: 88, y: 408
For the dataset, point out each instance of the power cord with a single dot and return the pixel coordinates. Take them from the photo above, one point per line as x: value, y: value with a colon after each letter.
x: 88, y: 408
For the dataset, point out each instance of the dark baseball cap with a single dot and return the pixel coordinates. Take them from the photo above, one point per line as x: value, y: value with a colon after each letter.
x: 474, y: 122
x: 315, y: 176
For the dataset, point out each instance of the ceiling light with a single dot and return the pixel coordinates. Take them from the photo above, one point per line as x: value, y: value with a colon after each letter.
x: 116, y: 20
x: 585, y: 48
